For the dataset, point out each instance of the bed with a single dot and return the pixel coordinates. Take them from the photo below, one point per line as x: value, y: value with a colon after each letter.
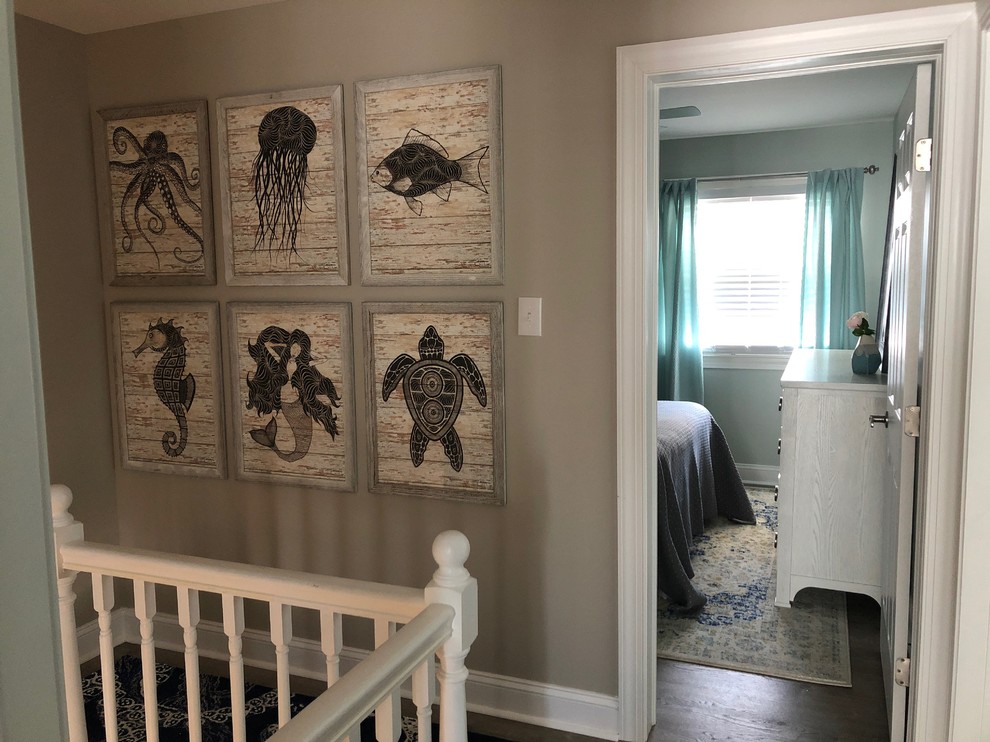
x: 696, y: 481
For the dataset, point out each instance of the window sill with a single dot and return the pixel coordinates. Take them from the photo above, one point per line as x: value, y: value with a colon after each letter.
x: 767, y: 361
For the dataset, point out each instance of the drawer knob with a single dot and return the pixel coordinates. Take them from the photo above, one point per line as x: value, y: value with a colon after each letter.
x: 874, y: 419
x: 778, y: 446
x: 780, y: 404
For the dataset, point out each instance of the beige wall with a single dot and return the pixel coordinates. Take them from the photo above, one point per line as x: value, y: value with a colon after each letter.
x: 546, y: 562
x: 62, y: 203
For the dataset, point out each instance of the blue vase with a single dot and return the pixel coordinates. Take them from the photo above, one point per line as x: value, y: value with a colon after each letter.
x: 866, y: 355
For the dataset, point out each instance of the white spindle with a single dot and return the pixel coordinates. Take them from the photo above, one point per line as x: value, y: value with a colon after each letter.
x: 424, y: 692
x: 103, y: 601
x: 70, y: 658
x: 189, y: 621
x: 145, y: 608
x: 233, y: 626
x: 331, y: 639
x: 388, y: 724
x: 453, y: 585
x: 281, y: 630
x: 68, y: 530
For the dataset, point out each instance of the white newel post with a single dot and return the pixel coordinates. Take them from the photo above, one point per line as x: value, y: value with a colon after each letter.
x: 453, y: 585
x: 68, y: 530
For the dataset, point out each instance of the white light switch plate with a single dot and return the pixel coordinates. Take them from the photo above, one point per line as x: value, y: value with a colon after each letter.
x: 530, y: 316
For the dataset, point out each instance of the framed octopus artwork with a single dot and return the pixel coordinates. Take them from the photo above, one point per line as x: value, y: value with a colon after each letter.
x: 165, y: 358
x: 430, y: 178
x: 436, y: 416
x: 282, y: 187
x: 153, y: 191
x: 292, y: 393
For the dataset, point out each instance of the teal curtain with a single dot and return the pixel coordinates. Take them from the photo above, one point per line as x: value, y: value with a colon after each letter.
x: 832, y: 283
x: 679, y: 369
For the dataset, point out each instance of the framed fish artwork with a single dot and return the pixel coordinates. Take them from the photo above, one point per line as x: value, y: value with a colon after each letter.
x: 165, y: 360
x: 292, y: 393
x: 153, y: 192
x: 430, y: 178
x: 436, y: 412
x: 282, y: 188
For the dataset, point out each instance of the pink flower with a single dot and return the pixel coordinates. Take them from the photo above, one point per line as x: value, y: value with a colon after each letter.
x: 855, y: 320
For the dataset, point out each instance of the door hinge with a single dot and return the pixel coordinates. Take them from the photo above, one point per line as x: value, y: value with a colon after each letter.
x: 923, y: 155
x: 902, y: 671
x: 912, y: 421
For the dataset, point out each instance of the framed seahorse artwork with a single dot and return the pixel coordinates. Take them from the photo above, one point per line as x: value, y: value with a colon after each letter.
x: 292, y: 393
x: 165, y: 358
x: 436, y: 413
x: 282, y: 188
x: 153, y: 194
x: 429, y: 178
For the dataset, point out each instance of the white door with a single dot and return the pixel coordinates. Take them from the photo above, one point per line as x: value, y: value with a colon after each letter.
x: 903, y: 349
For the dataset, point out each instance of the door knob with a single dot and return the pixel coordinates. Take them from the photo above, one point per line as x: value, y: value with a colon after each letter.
x: 874, y: 419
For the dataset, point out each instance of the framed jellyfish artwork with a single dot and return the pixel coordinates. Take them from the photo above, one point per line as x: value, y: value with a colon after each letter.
x: 430, y: 178
x: 292, y: 393
x: 436, y: 414
x: 282, y: 188
x: 153, y: 191
x: 165, y: 360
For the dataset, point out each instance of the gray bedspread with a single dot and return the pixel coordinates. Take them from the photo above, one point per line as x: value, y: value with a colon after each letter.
x: 696, y: 481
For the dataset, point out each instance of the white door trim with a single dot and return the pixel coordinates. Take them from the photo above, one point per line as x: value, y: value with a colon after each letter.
x: 949, y: 30
x: 971, y: 694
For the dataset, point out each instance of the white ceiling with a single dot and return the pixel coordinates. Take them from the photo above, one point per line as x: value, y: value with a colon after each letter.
x: 825, y: 99
x: 93, y: 16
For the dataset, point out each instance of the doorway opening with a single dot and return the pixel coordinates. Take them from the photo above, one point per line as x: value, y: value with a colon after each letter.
x: 748, y: 152
x: 947, y: 35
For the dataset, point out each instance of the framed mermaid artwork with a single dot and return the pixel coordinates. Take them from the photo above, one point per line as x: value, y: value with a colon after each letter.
x: 292, y: 393
x: 436, y: 416
x: 153, y: 194
x: 282, y: 188
x: 429, y: 154
x: 165, y: 358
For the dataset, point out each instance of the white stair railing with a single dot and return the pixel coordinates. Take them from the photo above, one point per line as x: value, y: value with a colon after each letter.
x: 440, y: 620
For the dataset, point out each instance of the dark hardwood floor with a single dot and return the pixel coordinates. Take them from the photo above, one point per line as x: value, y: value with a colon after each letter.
x: 706, y: 703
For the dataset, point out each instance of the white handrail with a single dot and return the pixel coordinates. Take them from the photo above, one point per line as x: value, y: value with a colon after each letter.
x: 442, y: 618
x: 342, y: 707
x: 269, y: 584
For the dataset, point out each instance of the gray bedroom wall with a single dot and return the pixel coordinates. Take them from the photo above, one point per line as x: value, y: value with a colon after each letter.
x: 745, y: 401
x: 546, y: 562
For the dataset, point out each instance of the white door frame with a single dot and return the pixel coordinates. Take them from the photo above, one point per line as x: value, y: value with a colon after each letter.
x: 971, y: 698
x: 949, y: 31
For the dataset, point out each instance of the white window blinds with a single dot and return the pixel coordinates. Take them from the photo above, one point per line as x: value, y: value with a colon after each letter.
x: 749, y: 240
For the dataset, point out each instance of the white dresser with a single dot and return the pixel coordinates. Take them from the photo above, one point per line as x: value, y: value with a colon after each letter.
x: 831, y: 476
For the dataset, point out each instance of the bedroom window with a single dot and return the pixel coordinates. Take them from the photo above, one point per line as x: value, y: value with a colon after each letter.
x: 749, y: 237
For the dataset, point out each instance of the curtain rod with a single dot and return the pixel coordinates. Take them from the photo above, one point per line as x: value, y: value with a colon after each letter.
x: 869, y: 170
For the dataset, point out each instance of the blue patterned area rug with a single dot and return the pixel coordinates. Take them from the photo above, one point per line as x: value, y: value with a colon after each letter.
x: 740, y: 628
x: 261, y: 704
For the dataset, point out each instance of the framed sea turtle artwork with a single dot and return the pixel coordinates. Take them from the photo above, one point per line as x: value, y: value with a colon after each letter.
x: 292, y: 393
x: 436, y: 413
x: 282, y: 188
x: 429, y: 178
x: 153, y: 194
x: 165, y: 361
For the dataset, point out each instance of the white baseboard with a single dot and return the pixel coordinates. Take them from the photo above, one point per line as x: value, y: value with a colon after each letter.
x: 88, y: 635
x: 539, y: 704
x: 759, y: 475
